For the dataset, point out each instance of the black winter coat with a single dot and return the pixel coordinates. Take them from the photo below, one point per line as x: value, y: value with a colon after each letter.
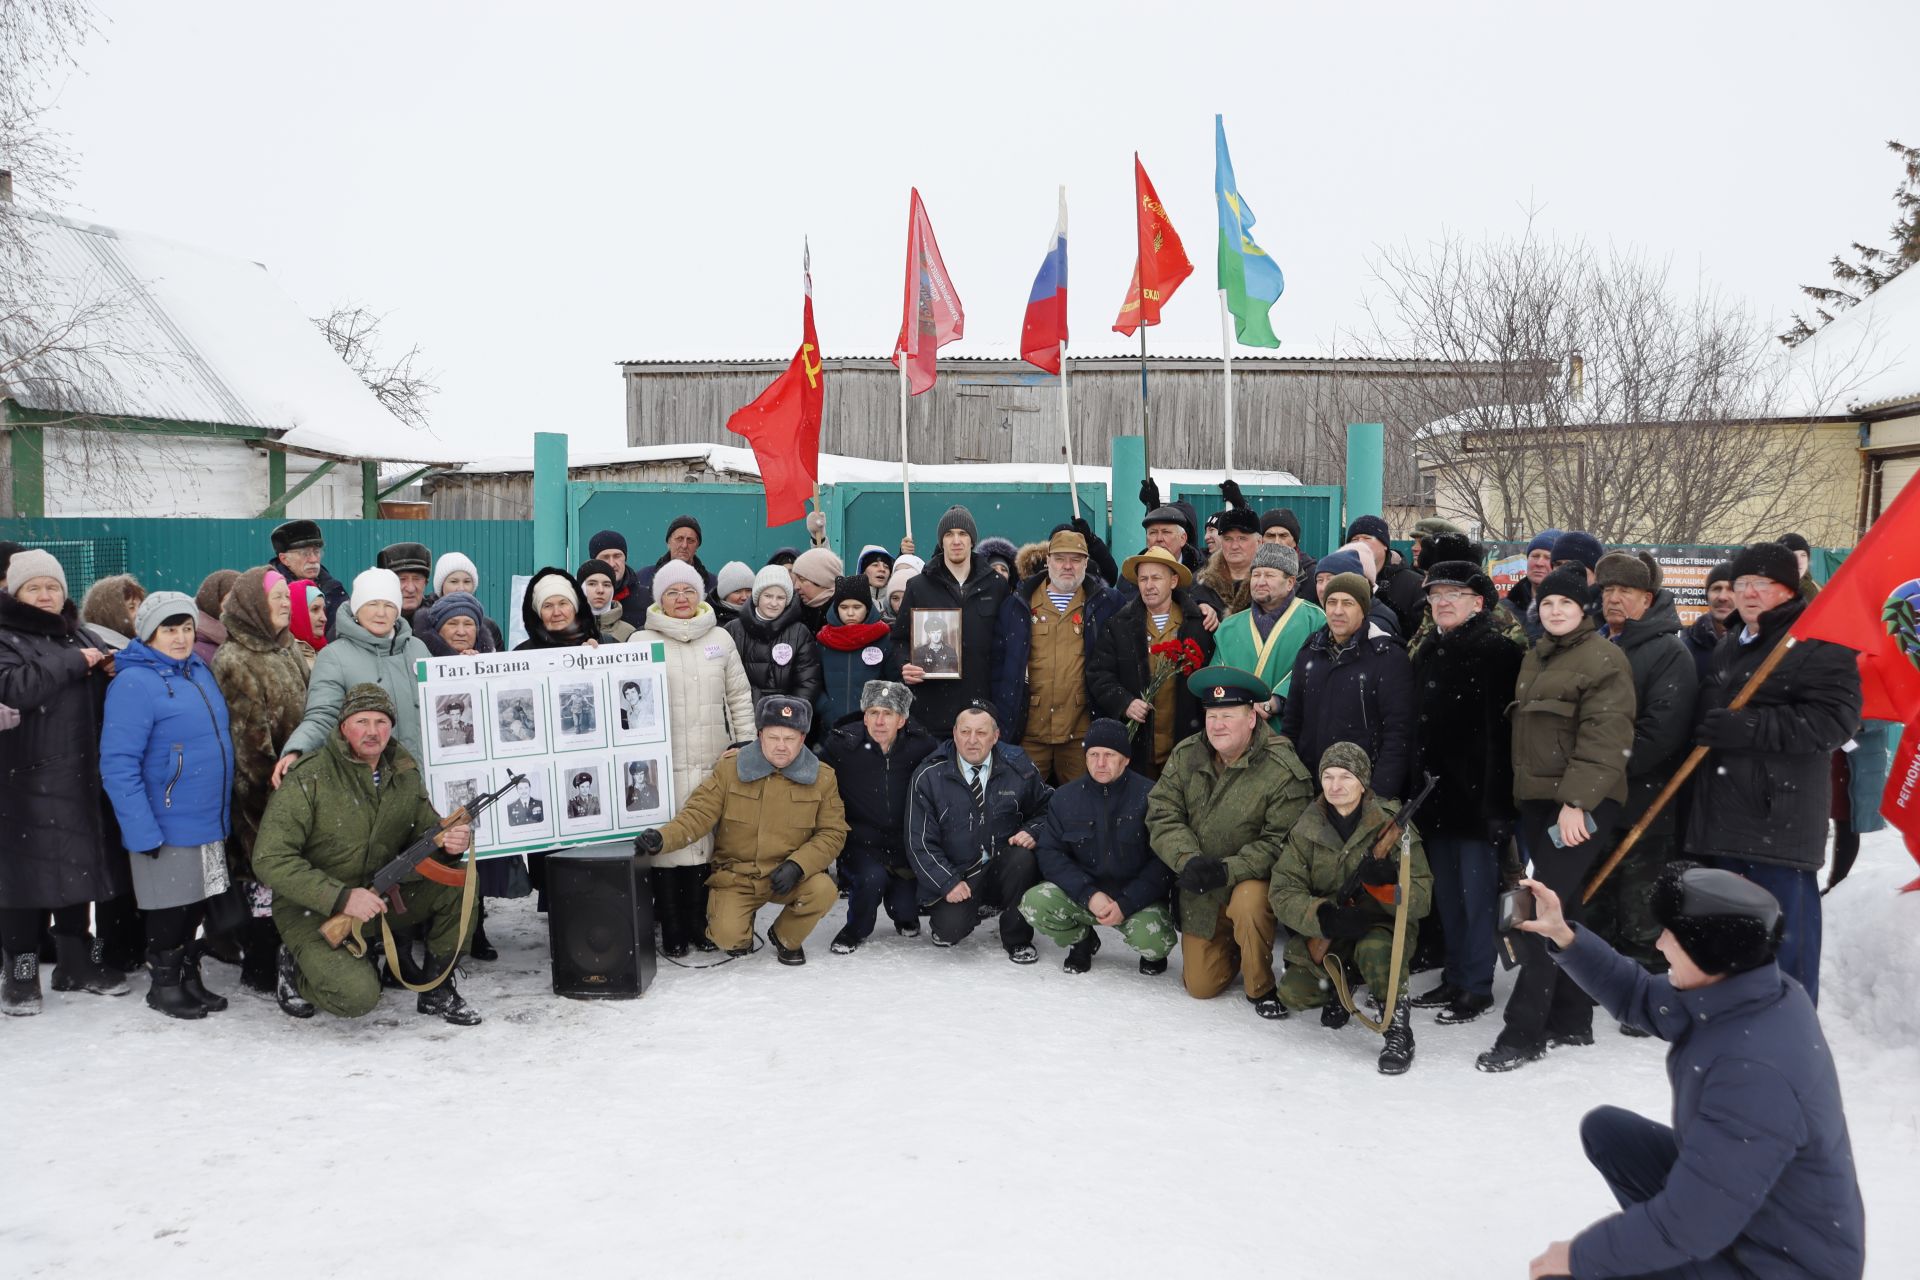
x: 937, y: 702
x: 1665, y: 687
x: 875, y: 786
x: 800, y: 676
x: 1399, y: 585
x: 1463, y: 680
x: 1360, y: 692
x: 1094, y: 840
x: 1764, y: 791
x: 1120, y: 667
x: 1702, y: 638
x: 55, y: 849
x: 947, y: 837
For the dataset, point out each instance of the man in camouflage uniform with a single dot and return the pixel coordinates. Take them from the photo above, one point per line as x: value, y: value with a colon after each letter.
x: 342, y: 813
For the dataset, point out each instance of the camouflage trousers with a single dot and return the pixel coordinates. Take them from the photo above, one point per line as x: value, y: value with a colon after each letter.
x: 1305, y: 985
x: 1050, y: 911
x: 331, y: 979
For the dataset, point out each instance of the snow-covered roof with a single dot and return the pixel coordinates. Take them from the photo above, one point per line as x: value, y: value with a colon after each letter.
x: 834, y: 469
x: 187, y: 334
x: 1871, y: 351
x: 1104, y: 348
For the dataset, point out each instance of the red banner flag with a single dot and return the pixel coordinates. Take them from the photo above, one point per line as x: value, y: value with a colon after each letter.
x: 1161, y: 263
x: 932, y: 316
x: 783, y: 425
x: 1873, y: 605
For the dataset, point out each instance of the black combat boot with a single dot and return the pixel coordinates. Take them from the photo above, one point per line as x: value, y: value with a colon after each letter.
x: 1080, y: 954
x: 1510, y: 1054
x: 1268, y: 1006
x: 1153, y: 968
x: 845, y: 943
x: 168, y: 993
x: 1397, y: 1055
x: 262, y: 946
x: 907, y: 930
x: 1465, y: 1008
x: 20, y: 988
x: 784, y: 953
x: 80, y: 967
x: 1333, y: 1014
x: 444, y: 1001
x: 191, y: 983
x: 1438, y: 998
x: 286, y: 990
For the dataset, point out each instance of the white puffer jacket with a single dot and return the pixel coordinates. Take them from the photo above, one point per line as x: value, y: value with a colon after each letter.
x: 709, y: 703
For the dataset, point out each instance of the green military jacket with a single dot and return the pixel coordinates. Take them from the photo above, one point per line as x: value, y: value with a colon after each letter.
x: 1315, y: 862
x: 328, y: 828
x: 1240, y: 814
x: 1572, y: 713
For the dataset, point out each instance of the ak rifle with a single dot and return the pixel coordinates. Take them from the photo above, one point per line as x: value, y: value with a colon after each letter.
x: 1384, y: 846
x: 417, y: 856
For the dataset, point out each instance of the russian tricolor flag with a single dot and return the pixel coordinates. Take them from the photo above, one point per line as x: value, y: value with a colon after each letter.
x: 1044, y: 334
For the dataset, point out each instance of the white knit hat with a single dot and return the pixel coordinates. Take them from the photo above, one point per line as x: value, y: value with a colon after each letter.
x: 677, y: 573
x: 818, y: 566
x: 909, y: 561
x: 733, y: 575
x: 453, y: 562
x: 772, y: 576
x: 549, y: 586
x: 33, y: 563
x: 898, y: 582
x: 374, y: 584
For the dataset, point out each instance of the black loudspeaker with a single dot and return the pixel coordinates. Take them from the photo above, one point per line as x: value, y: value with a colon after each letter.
x: 599, y: 924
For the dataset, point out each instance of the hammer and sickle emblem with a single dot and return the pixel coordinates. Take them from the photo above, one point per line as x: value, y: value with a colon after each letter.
x: 810, y: 365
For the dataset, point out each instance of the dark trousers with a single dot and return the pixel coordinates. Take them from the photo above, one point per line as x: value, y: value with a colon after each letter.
x: 1466, y: 895
x: 171, y: 927
x: 1546, y: 1002
x: 1799, y: 895
x: 869, y: 883
x: 1635, y: 1155
x: 1000, y: 883
x: 20, y: 926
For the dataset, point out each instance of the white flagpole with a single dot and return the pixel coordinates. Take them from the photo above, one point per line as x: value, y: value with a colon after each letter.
x: 1066, y: 432
x: 1226, y: 369
x: 906, y: 493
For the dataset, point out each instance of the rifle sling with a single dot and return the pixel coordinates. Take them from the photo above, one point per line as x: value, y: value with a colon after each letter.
x: 1336, y: 971
x: 357, y: 944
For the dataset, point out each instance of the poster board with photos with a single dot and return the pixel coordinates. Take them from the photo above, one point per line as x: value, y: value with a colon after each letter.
x: 587, y: 727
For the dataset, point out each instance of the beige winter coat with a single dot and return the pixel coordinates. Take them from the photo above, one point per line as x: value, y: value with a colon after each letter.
x: 709, y: 705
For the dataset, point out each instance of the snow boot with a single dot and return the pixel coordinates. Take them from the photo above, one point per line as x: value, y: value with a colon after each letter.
x: 1080, y: 954
x: 196, y: 989
x: 907, y: 930
x: 1334, y: 1015
x: 480, y: 948
x: 1153, y: 968
x: 1397, y: 1055
x: 784, y: 953
x: 1026, y: 953
x: 1441, y: 996
x: 80, y: 968
x: 1570, y: 1040
x: 286, y: 990
x: 1510, y: 1055
x: 844, y: 943
x: 1465, y: 1008
x: 262, y: 947
x: 1268, y: 1006
x: 20, y: 989
x: 168, y: 994
x: 444, y: 1001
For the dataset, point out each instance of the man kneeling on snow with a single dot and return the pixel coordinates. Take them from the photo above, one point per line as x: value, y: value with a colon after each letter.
x: 778, y: 825
x: 341, y: 814
x: 1755, y: 1178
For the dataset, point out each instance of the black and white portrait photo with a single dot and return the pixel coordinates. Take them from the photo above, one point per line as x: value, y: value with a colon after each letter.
x: 935, y: 646
x: 516, y: 722
x: 637, y: 702
x: 586, y: 804
x: 583, y: 795
x: 579, y: 718
x: 453, y: 719
x: 526, y: 812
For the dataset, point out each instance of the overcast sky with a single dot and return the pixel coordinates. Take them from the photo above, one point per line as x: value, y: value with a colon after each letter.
x: 536, y: 191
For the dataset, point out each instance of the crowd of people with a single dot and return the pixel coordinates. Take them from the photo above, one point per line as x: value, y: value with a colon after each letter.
x: 1198, y: 747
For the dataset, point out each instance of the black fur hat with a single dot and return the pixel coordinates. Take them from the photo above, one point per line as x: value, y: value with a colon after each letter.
x: 1726, y: 923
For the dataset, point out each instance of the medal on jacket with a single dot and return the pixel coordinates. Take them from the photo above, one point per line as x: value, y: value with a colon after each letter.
x: 782, y: 654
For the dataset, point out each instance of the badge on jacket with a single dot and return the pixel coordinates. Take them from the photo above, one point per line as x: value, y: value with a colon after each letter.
x: 711, y: 651
x: 782, y: 654
x: 871, y: 655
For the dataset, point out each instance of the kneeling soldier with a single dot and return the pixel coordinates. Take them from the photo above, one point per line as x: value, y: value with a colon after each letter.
x: 1333, y: 838
x: 1096, y: 865
x: 342, y: 813
x: 1218, y: 816
x: 778, y: 825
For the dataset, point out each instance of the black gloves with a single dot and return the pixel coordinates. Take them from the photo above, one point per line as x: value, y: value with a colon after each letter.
x: 785, y: 878
x: 1081, y: 527
x: 648, y: 842
x: 1149, y: 494
x: 1726, y: 729
x: 1379, y: 871
x: 1344, y: 923
x: 1230, y: 491
x: 1203, y: 874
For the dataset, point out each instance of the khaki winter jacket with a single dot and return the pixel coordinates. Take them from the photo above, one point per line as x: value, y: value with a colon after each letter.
x: 760, y: 817
x: 1315, y: 862
x: 1572, y: 715
x: 709, y: 704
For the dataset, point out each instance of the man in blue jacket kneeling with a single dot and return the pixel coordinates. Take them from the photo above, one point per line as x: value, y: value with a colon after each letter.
x: 1755, y: 1178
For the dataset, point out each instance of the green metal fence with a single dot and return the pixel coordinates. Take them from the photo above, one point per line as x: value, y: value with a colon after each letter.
x: 1317, y: 505
x: 175, y: 555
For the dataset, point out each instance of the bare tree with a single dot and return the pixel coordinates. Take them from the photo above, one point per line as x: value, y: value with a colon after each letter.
x: 1603, y: 397
x: 400, y: 384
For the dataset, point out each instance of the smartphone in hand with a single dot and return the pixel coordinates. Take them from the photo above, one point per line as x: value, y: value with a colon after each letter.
x: 1515, y: 905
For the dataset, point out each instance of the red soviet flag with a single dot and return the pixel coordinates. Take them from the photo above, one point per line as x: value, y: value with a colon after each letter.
x: 783, y: 425
x: 1161, y: 263
x: 1873, y: 605
x: 932, y: 316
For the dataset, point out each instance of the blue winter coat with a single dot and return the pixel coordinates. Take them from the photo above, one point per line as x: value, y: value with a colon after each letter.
x: 1094, y: 840
x: 1765, y: 1176
x: 1013, y: 644
x: 166, y: 757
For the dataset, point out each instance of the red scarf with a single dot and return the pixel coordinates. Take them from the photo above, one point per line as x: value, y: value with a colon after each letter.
x: 851, y: 639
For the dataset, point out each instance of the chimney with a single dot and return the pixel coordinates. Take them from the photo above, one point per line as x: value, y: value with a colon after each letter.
x: 1576, y: 376
x: 6, y: 186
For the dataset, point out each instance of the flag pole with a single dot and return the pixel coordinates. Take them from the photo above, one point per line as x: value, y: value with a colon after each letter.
x: 1146, y: 440
x: 1226, y: 368
x: 1066, y: 432
x: 906, y: 492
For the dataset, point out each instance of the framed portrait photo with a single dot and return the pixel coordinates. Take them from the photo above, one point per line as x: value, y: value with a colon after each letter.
x: 586, y: 808
x: 646, y: 789
x: 934, y: 643
x: 519, y: 717
x: 579, y: 717
x: 525, y: 815
x: 637, y: 700
x: 456, y: 785
x: 456, y: 731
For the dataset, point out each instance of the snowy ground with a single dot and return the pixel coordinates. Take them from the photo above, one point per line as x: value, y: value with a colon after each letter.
x: 900, y: 1111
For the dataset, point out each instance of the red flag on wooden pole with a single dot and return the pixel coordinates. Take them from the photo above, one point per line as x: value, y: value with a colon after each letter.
x: 783, y: 424
x: 932, y: 316
x: 1161, y: 263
